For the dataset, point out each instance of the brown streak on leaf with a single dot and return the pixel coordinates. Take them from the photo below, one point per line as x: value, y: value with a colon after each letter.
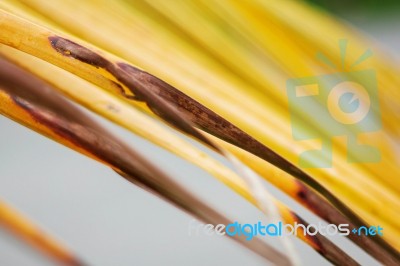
x: 74, y: 50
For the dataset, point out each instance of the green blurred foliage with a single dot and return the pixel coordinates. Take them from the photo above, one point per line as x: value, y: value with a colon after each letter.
x: 358, y: 6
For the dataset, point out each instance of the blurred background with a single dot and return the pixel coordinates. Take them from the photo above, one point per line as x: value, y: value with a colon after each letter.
x: 108, y: 221
x: 379, y: 19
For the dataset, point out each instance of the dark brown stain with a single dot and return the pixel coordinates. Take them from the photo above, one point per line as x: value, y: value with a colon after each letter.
x: 301, y: 195
x: 71, y: 49
x: 311, y: 238
x: 153, y: 97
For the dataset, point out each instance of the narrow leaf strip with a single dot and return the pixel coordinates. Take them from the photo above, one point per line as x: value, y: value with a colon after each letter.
x: 26, y: 230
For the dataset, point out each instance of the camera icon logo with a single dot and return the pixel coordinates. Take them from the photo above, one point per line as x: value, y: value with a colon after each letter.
x: 348, y: 102
x: 331, y: 105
